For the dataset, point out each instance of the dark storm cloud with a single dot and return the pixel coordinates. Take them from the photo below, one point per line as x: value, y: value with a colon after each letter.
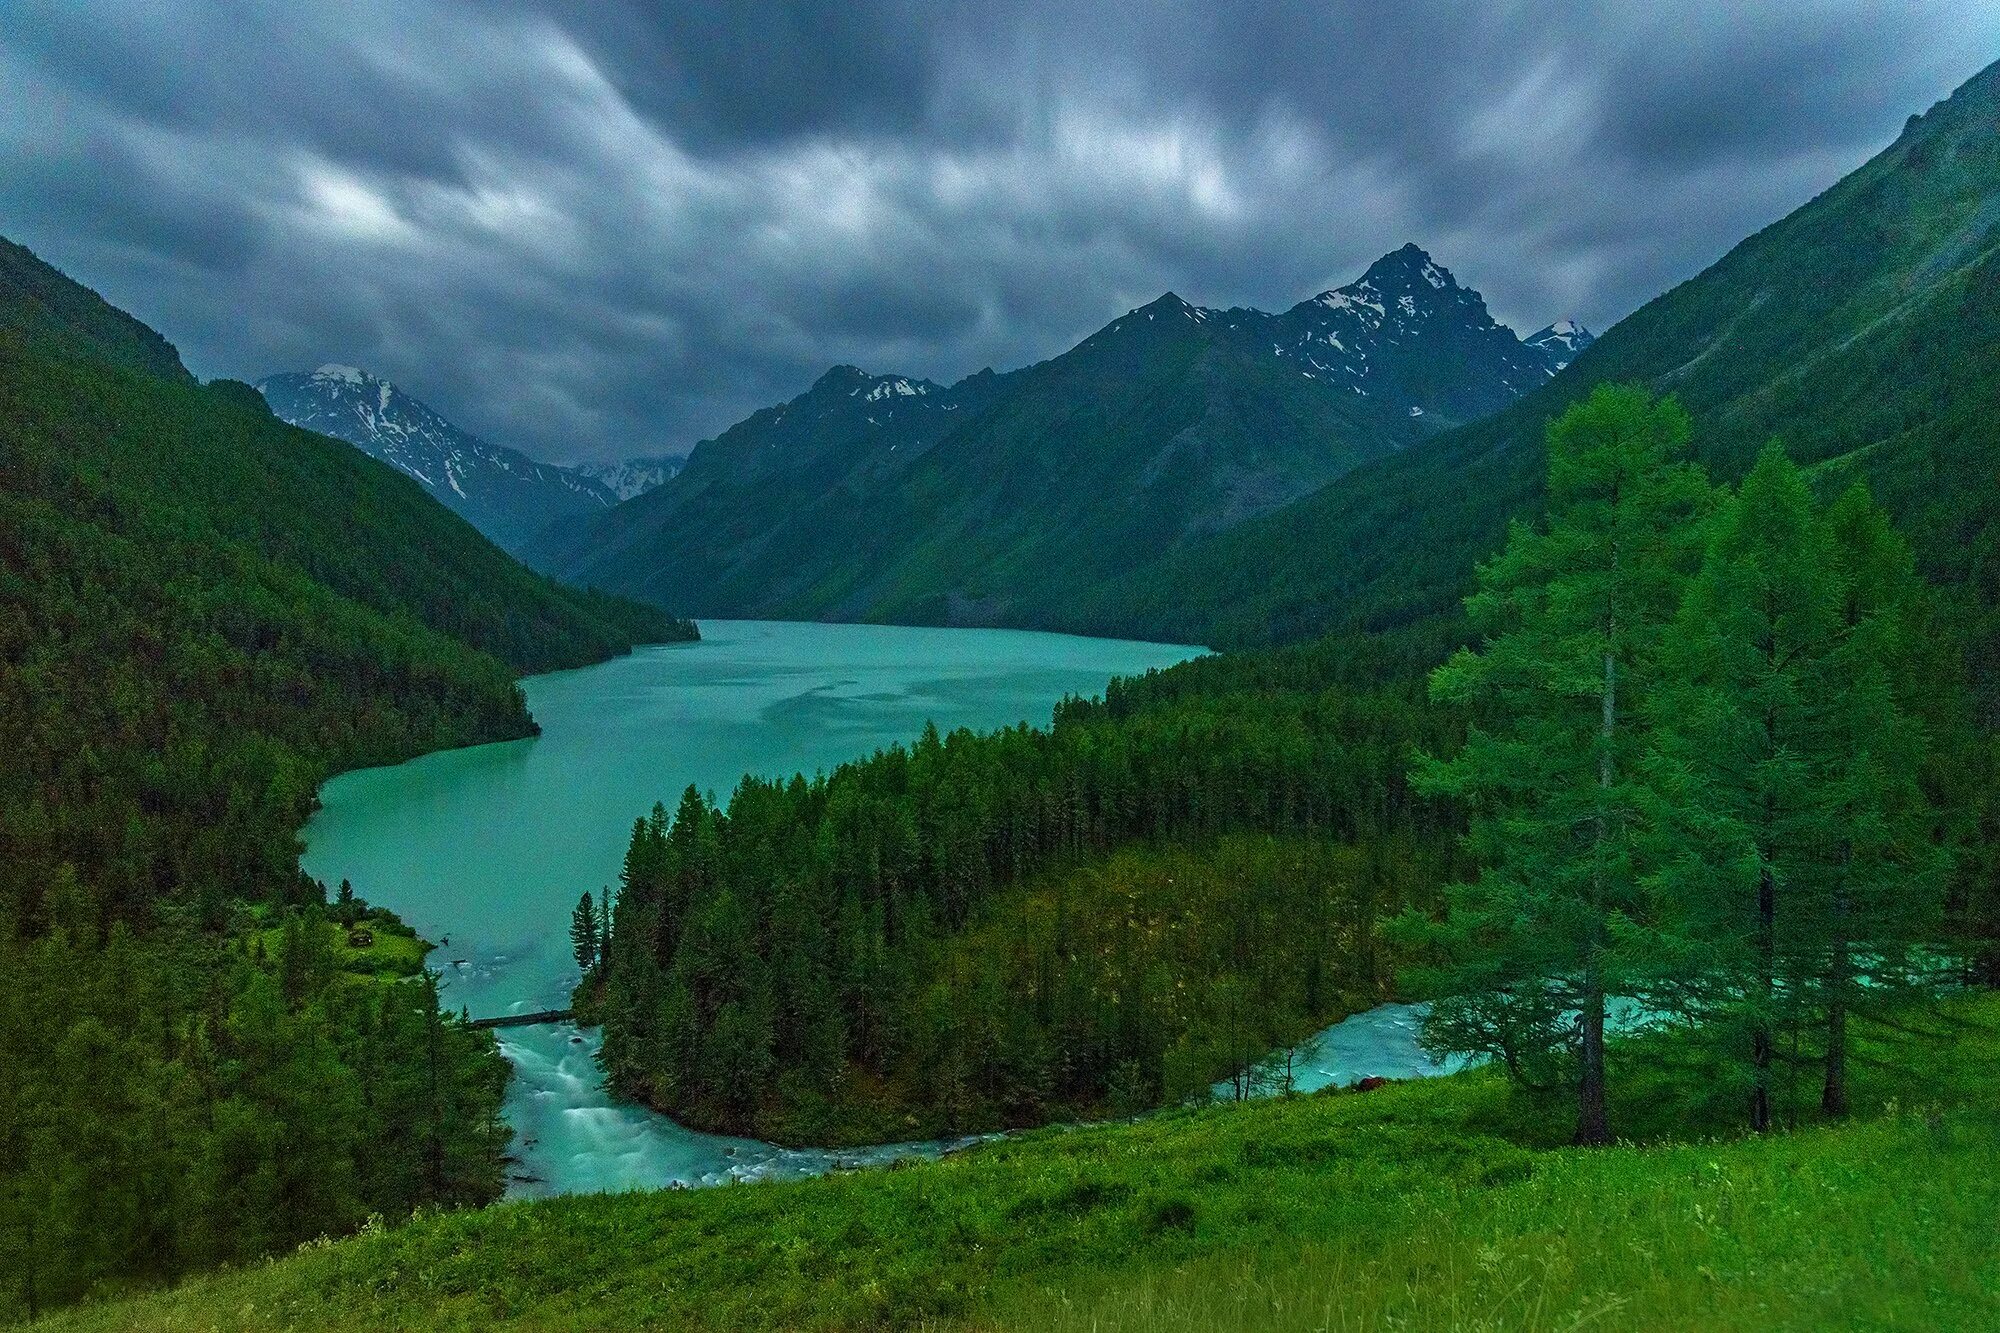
x: 733, y: 71
x: 613, y: 228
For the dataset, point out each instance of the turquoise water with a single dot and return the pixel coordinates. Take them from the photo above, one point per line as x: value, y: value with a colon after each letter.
x: 485, y: 850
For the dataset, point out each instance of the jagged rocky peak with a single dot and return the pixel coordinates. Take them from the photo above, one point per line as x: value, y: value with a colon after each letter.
x: 1407, y: 267
x: 1401, y: 286
x: 1561, y: 341
x: 853, y: 382
x: 1165, y: 311
x: 1169, y: 304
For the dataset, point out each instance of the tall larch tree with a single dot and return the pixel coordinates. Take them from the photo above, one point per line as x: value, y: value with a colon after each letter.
x: 1741, y: 757
x: 1884, y: 884
x: 1571, y: 615
x: 1805, y: 854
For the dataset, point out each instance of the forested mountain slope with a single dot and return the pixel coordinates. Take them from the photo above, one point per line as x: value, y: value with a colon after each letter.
x: 996, y: 498
x: 41, y: 305
x: 204, y: 612
x: 1860, y: 330
x: 193, y: 584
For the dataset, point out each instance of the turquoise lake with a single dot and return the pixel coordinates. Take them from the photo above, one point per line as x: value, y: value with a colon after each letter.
x: 486, y: 849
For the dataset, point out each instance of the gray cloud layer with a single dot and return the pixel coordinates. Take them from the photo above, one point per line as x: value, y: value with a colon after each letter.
x: 608, y: 229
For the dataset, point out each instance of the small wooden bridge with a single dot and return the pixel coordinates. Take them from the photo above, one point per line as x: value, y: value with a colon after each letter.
x: 525, y: 1020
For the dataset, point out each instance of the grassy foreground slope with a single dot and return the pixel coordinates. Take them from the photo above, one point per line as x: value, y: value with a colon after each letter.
x: 1441, y: 1204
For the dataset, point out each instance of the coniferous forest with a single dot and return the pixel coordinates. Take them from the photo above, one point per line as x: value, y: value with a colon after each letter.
x: 204, y: 613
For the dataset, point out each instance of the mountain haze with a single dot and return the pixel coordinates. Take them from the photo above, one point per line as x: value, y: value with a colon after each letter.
x: 993, y: 500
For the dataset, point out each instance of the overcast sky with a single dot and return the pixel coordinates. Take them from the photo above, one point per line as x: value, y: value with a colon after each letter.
x: 615, y: 235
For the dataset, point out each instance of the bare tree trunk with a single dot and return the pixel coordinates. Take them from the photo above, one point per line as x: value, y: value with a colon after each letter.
x: 1760, y: 1035
x: 1767, y: 936
x: 1833, y: 1096
x: 1839, y: 973
x: 1592, y: 1120
x: 1833, y: 1093
x: 1593, y: 1125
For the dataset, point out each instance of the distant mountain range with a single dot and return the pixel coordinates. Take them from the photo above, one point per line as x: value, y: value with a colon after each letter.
x: 631, y: 476
x: 504, y: 493
x: 892, y: 497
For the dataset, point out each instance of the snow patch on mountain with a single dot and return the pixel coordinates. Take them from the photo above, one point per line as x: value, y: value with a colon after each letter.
x: 501, y: 491
x: 1560, y: 342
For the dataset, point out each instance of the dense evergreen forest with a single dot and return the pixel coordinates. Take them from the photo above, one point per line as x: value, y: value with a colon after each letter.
x: 204, y: 613
x: 1147, y: 896
x: 846, y: 957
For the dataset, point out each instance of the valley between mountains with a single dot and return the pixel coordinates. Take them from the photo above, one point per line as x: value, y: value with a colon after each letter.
x: 1026, y: 773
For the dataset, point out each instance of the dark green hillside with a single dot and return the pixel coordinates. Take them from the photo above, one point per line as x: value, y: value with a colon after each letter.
x: 208, y: 610
x: 1861, y: 330
x: 768, y: 510
x: 203, y: 613
x: 40, y: 307
x: 1153, y: 431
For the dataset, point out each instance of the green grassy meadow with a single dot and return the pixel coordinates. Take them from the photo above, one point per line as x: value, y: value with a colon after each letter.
x: 1449, y: 1204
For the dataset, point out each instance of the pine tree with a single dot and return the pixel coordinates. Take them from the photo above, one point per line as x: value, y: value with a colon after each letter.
x: 1551, y: 770
x: 583, y: 934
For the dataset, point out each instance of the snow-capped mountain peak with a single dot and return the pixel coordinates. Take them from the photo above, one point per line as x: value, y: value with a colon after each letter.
x: 504, y: 493
x: 1405, y: 267
x: 632, y: 476
x: 1561, y: 341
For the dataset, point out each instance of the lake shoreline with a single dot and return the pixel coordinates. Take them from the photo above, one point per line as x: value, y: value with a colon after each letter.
x: 489, y: 846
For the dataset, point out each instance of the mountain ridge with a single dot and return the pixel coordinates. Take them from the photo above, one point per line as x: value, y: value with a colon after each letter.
x: 888, y: 496
x: 1841, y: 328
x: 507, y: 495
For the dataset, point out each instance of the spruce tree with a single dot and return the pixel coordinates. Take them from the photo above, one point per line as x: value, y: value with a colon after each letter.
x: 1571, y: 615
x: 604, y: 926
x: 583, y: 936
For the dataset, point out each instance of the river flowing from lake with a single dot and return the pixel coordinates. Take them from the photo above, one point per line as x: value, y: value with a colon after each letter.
x: 485, y: 850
